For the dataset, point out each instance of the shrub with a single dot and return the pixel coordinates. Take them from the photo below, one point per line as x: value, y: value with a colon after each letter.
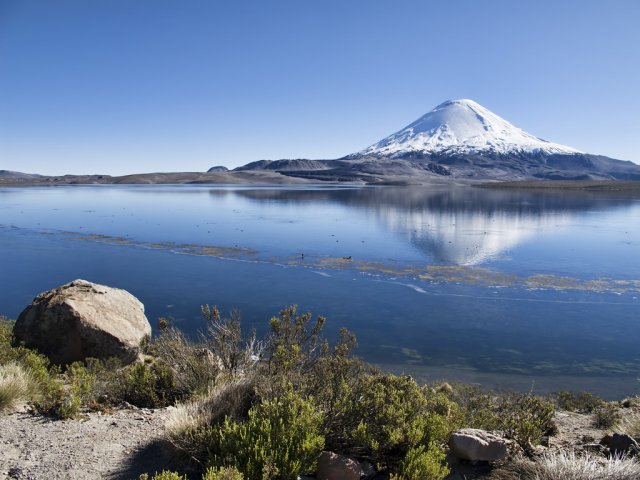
x: 295, y: 343
x: 332, y: 383
x: 523, y: 417
x: 236, y: 353
x: 80, y: 383
x: 582, y: 403
x: 6, y: 339
x: 194, y: 366
x: 607, y: 416
x: 394, y: 417
x: 164, y: 475
x: 223, y: 473
x: 281, y: 438
x: 149, y: 386
x: 422, y: 463
x: 51, y: 392
x: 191, y: 425
x: 17, y: 386
x: 529, y: 418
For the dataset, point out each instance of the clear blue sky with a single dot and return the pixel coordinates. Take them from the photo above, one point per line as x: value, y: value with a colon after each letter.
x: 123, y: 86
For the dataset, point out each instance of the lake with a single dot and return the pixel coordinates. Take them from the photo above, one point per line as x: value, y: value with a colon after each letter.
x: 521, y: 290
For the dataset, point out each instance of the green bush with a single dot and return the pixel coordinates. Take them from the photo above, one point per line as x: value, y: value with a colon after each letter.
x: 149, y: 386
x: 280, y: 439
x: 395, y: 417
x: 529, y: 418
x: 390, y: 410
x: 223, y: 473
x: 47, y: 377
x: 7, y: 353
x: 607, y: 416
x: 80, y: 382
x: 295, y: 342
x: 164, y: 475
x: 523, y: 417
x: 422, y: 463
x: 583, y: 402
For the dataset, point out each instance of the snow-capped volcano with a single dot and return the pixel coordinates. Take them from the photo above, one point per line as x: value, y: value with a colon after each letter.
x: 458, y: 139
x: 461, y: 127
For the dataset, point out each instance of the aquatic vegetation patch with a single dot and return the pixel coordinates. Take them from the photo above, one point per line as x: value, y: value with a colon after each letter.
x: 184, y: 248
x: 446, y: 274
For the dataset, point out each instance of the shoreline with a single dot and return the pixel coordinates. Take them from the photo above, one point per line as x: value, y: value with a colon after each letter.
x: 266, y: 178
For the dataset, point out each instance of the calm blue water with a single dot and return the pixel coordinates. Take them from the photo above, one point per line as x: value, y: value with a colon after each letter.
x: 508, y: 289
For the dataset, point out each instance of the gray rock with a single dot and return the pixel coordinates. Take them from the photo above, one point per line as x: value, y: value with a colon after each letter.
x: 620, y: 444
x: 83, y: 319
x: 332, y: 466
x: 368, y: 470
x: 478, y: 445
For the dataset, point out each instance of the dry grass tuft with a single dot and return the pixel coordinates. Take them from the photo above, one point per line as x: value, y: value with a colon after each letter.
x: 17, y: 386
x: 631, y: 425
x: 569, y: 466
x: 232, y: 398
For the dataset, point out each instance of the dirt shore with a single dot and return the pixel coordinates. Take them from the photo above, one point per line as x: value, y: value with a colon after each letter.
x: 118, y: 445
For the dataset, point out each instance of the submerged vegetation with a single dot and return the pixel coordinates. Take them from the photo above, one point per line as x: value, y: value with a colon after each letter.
x: 260, y: 408
x: 445, y: 273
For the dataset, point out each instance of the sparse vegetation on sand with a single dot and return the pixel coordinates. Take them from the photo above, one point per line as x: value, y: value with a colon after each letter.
x: 254, y: 408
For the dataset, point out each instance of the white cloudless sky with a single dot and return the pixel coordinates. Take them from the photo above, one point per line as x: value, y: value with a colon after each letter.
x: 115, y: 87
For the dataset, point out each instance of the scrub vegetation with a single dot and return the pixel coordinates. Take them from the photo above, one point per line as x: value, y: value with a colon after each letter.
x: 265, y: 408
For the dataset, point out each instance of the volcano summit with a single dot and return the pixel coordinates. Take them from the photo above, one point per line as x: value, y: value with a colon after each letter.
x: 462, y: 127
x: 473, y: 142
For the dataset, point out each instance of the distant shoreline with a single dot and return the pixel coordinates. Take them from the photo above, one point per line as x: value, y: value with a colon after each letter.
x: 276, y: 178
x: 632, y: 186
x: 160, y: 178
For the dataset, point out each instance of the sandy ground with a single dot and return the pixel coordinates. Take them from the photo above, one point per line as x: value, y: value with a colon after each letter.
x: 119, y: 445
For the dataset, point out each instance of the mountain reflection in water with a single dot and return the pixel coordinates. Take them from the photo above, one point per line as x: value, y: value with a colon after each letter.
x: 458, y: 226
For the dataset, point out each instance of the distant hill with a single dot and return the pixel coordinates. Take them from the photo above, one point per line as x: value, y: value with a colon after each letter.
x: 17, y: 175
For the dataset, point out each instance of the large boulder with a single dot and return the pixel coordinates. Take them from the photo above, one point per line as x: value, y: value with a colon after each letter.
x: 83, y: 319
x: 478, y: 445
x: 332, y: 466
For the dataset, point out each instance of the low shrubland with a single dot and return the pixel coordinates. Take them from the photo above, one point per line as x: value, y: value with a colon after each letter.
x: 258, y: 408
x: 606, y: 414
x: 525, y: 418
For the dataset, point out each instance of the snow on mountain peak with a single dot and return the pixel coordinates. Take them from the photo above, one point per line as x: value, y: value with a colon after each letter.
x: 458, y: 127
